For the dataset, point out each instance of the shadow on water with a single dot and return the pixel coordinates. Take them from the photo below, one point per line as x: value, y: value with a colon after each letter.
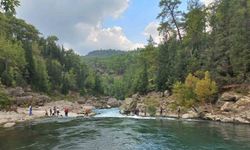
x: 124, y: 134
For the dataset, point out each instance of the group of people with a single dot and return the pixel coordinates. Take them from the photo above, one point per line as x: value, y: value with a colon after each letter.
x: 56, y: 112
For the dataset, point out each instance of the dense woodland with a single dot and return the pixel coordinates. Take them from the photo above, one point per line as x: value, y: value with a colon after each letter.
x: 203, y: 48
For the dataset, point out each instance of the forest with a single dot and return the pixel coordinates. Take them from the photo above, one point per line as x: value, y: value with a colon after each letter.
x: 202, y: 48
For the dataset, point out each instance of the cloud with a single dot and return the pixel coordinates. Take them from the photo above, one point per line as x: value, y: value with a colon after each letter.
x: 207, y: 2
x: 151, y: 29
x: 105, y: 38
x: 78, y: 23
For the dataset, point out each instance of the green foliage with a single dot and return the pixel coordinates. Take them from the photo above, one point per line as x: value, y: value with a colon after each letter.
x: 55, y: 73
x: 28, y: 59
x: 194, y: 89
x: 151, y: 106
x: 41, y: 79
x: 9, y: 6
x: 170, y: 65
x: 189, y: 45
x: 142, y: 82
x: 170, y: 17
x: 4, y: 99
x: 151, y: 110
x: 230, y: 41
x: 205, y: 87
x: 183, y: 94
x: 98, y: 85
x: 11, y: 61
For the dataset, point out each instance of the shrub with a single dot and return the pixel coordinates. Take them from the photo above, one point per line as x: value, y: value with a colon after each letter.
x: 151, y: 110
x: 205, y: 88
x: 183, y: 94
x: 195, y: 89
x: 4, y: 100
x: 151, y: 105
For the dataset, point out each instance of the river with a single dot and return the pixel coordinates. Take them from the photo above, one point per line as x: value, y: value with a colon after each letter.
x: 110, y: 130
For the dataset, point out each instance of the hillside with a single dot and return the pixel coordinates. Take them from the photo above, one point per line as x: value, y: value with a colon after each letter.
x: 105, y: 53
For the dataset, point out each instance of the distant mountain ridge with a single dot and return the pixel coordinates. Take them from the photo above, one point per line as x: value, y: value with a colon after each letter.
x: 105, y: 53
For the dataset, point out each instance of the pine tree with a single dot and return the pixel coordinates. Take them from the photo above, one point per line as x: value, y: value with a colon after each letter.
x: 142, y: 83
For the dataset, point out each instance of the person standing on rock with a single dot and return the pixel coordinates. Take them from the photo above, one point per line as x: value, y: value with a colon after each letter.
x: 54, y: 109
x: 57, y: 112
x: 179, y: 111
x: 50, y: 112
x: 46, y: 112
x: 30, y: 110
x: 161, y: 111
x: 66, y: 111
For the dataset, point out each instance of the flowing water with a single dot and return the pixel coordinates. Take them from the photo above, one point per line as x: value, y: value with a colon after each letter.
x: 111, y: 131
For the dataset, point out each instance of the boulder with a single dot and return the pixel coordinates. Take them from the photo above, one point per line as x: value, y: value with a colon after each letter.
x: 24, y: 100
x: 35, y: 99
x: 226, y: 119
x: 230, y: 96
x: 135, y: 96
x: 241, y: 120
x: 89, y: 102
x: 166, y: 93
x: 228, y: 106
x: 87, y: 110
x: 42, y: 99
x: 81, y: 102
x: 129, y: 105
x: 18, y: 91
x: 113, y: 102
x: 9, y: 124
x: 190, y: 115
x: 243, y: 101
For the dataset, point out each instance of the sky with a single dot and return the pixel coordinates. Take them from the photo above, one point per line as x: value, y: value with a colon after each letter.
x: 87, y: 25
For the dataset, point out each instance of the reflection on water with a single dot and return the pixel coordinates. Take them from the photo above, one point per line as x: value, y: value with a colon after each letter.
x: 124, y: 134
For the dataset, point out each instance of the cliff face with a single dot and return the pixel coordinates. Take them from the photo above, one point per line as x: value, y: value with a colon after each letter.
x: 230, y: 107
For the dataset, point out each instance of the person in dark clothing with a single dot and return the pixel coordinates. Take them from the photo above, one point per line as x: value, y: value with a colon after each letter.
x: 50, y: 112
x: 30, y: 110
x: 161, y: 110
x: 57, y: 112
x: 179, y: 111
x: 46, y: 112
x: 66, y: 111
x: 54, y: 111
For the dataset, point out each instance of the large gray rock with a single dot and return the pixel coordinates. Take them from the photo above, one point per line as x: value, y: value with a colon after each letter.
x: 35, y: 99
x: 166, y: 93
x: 24, y: 100
x: 40, y: 100
x: 81, y: 101
x: 9, y: 124
x: 18, y: 91
x: 230, y: 96
x: 228, y: 106
x: 241, y: 120
x: 135, y: 96
x: 113, y: 102
x: 190, y: 115
x: 129, y: 105
x: 243, y: 101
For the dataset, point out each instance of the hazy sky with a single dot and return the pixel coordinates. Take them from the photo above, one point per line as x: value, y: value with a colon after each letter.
x: 87, y: 25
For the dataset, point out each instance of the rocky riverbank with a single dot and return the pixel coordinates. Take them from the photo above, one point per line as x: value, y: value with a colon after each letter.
x: 77, y: 105
x: 230, y: 107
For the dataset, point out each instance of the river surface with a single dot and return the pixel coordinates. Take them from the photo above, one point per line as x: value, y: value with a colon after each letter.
x: 111, y: 131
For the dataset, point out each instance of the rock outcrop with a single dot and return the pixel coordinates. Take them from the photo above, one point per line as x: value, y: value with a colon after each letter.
x: 99, y: 102
x: 113, y: 102
x: 231, y: 107
x: 230, y: 97
x: 128, y: 106
x: 23, y: 98
x: 9, y: 124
